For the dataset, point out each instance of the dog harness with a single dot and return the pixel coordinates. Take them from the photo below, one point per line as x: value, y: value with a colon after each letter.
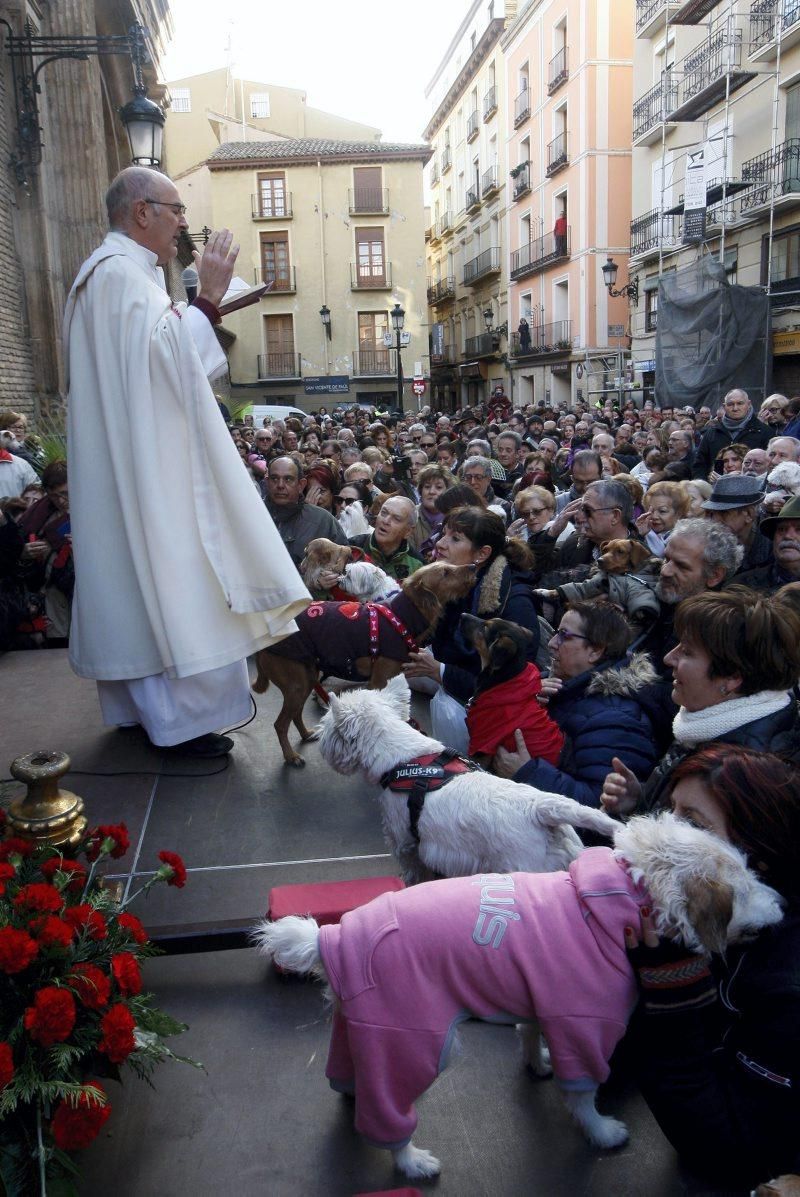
x: 430, y: 771
x: 377, y: 609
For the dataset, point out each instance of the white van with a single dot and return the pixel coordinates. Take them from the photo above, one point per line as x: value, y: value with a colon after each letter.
x: 275, y: 412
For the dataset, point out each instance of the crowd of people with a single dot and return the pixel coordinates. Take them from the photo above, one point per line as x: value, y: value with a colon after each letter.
x: 653, y: 556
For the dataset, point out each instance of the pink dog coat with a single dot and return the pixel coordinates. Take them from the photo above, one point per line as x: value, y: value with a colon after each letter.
x: 409, y: 966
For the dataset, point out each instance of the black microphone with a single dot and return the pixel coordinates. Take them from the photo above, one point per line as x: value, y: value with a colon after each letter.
x: 190, y: 281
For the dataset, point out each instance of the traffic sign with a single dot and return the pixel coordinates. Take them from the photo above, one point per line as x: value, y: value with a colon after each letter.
x: 418, y: 386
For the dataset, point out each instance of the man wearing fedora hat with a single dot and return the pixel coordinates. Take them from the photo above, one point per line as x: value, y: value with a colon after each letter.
x: 734, y: 502
x: 783, y: 530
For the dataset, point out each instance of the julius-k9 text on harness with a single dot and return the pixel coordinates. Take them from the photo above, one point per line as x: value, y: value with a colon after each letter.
x: 430, y: 771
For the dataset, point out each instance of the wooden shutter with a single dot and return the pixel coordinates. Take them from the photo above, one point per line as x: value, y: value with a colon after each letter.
x: 374, y: 357
x: 279, y: 340
x: 275, y: 261
x: 367, y: 191
x: 370, y: 258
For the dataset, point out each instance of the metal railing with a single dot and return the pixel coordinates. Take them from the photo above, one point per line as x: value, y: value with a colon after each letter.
x: 447, y: 357
x: 434, y: 175
x: 373, y: 200
x: 558, y: 71
x: 473, y: 124
x: 651, y: 109
x: 279, y: 365
x: 442, y: 289
x: 447, y: 160
x: 283, y: 280
x: 472, y: 199
x: 646, y: 10
x: 481, y: 346
x: 489, y: 180
x: 773, y: 174
x: 557, y: 153
x: 653, y: 231
x: 522, y: 107
x: 538, y: 254
x: 444, y: 224
x: 485, y: 263
x: 373, y: 277
x: 270, y: 206
x: 489, y: 103
x: 710, y: 62
x: 522, y: 181
x: 543, y: 338
x: 769, y: 18
x: 375, y: 361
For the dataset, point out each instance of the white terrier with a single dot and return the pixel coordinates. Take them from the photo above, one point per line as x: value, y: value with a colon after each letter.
x: 476, y: 823
x: 547, y: 948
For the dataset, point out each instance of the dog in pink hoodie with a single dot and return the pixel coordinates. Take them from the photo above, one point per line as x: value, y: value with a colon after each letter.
x: 542, y: 948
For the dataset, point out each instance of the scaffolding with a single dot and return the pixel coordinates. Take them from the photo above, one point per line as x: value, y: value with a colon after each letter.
x: 718, y: 74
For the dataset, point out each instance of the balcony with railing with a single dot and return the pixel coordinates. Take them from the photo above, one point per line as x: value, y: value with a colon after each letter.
x: 472, y: 200
x: 557, y: 154
x: 539, y: 254
x: 489, y: 182
x: 774, y: 178
x: 650, y: 110
x: 522, y: 107
x: 370, y: 276
x: 283, y: 281
x: 278, y: 365
x: 448, y: 357
x: 434, y: 174
x: 490, y: 103
x: 269, y: 205
x: 651, y: 16
x: 773, y: 22
x: 522, y: 180
x: 654, y: 233
x: 541, y: 339
x: 557, y: 71
x: 473, y: 125
x: 692, y: 12
x: 441, y: 290
x: 709, y: 73
x: 368, y: 201
x: 367, y: 363
x: 480, y: 267
x: 446, y: 159
x: 484, y: 345
x: 444, y: 224
x: 720, y: 201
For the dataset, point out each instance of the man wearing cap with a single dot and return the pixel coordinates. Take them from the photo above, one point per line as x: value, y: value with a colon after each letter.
x: 734, y: 502
x: 783, y: 530
x: 736, y: 423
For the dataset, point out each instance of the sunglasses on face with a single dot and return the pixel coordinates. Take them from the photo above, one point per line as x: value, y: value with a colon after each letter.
x: 339, y: 500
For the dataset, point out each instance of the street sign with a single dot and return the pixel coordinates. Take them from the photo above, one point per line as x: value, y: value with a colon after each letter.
x: 616, y: 330
x: 390, y: 340
x: 418, y: 386
x: 327, y: 384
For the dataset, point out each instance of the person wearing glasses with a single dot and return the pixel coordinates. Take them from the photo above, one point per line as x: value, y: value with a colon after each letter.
x: 200, y: 576
x: 606, y: 703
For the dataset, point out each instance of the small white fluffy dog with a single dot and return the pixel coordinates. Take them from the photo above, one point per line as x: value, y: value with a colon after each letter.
x: 364, y: 581
x: 476, y: 823
x: 548, y: 948
x: 367, y: 582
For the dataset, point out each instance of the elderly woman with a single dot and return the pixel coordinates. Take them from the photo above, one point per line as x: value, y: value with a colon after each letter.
x: 734, y: 669
x: 432, y: 481
x: 604, y: 702
x: 697, y: 491
x: 665, y: 503
x: 716, y: 1044
x: 474, y: 536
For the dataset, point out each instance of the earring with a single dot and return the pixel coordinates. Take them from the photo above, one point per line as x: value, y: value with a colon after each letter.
x: 723, y: 689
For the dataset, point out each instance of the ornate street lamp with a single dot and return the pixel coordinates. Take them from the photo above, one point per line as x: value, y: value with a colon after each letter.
x: 398, y: 319
x: 629, y: 291
x: 325, y: 317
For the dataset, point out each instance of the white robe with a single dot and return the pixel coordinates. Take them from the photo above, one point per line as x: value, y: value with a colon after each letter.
x: 179, y: 568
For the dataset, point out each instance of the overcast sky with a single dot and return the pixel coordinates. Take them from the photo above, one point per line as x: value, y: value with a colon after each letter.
x: 367, y: 61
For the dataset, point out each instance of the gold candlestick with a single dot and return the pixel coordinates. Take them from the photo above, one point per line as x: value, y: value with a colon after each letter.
x: 46, y: 814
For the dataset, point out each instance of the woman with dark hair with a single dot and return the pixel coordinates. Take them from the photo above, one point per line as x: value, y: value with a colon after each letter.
x: 716, y: 1044
x: 734, y: 669
x: 604, y: 702
x: 474, y: 536
x: 432, y: 482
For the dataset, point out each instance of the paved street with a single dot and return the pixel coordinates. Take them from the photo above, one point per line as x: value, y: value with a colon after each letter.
x: 261, y: 1117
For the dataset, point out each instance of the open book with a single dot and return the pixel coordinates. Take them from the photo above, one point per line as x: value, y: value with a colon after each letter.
x: 239, y: 295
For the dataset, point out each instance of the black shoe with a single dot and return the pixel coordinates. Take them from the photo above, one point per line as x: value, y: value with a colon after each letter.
x: 210, y: 745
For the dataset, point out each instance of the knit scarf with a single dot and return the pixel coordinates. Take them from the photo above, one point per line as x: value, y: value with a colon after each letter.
x: 700, y: 727
x: 735, y: 425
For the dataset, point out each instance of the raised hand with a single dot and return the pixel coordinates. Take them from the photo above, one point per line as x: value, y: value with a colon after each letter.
x: 621, y: 789
x: 215, y: 266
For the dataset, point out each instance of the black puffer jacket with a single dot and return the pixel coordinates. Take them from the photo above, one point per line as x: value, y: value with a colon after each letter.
x: 779, y: 732
x: 723, y: 1082
x: 716, y: 437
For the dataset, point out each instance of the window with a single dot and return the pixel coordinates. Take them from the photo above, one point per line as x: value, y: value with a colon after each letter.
x: 259, y: 104
x: 279, y: 343
x: 367, y: 190
x: 374, y: 357
x: 181, y: 99
x: 275, y: 266
x: 651, y: 310
x: 272, y: 194
x: 785, y: 281
x: 370, y: 258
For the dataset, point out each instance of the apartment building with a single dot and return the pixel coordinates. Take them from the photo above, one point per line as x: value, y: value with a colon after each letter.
x: 569, y: 78
x: 717, y: 100
x: 335, y: 228
x: 467, y: 180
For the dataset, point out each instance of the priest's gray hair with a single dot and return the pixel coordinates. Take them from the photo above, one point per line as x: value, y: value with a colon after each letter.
x: 129, y: 187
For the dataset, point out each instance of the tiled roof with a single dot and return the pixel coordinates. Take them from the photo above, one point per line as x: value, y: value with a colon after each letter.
x: 309, y: 149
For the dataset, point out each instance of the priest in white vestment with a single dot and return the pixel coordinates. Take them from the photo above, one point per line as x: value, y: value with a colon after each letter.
x: 180, y: 572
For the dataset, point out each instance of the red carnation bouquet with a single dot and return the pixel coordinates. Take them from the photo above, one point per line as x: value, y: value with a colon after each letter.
x: 72, y: 1005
